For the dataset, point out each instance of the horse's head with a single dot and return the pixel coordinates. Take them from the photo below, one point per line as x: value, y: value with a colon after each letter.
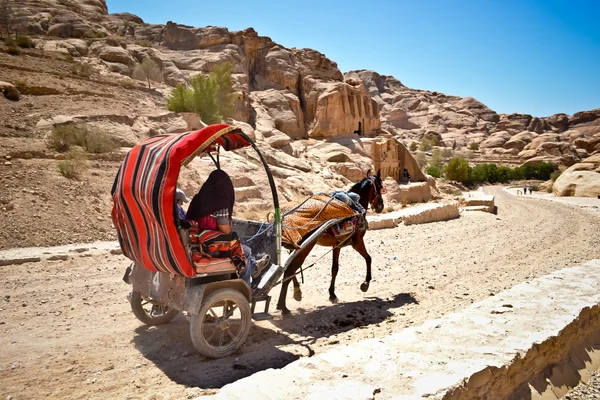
x: 370, y: 190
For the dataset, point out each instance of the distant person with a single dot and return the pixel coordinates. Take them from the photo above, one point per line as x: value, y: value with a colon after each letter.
x: 406, y: 175
x: 530, y: 189
x: 525, y: 190
x: 180, y: 198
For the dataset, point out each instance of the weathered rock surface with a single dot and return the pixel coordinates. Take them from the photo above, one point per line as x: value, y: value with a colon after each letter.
x: 580, y: 180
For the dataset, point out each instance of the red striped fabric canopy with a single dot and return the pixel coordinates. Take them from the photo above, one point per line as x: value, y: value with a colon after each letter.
x: 144, y: 195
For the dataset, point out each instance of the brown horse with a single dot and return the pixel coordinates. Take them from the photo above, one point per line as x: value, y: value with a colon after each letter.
x: 369, y: 190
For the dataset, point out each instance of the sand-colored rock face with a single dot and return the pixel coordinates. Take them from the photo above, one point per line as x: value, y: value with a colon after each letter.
x: 392, y: 157
x: 411, y: 114
x: 580, y: 180
x: 302, y: 92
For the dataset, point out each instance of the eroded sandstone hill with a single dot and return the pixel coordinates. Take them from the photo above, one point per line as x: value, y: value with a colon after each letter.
x: 296, y: 102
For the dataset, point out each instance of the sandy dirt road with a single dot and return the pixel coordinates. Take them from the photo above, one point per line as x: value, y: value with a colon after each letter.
x: 68, y: 332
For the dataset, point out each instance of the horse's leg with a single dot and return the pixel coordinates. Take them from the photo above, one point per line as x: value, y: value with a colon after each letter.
x: 288, y: 276
x: 334, y: 271
x: 358, y: 244
x: 297, y: 290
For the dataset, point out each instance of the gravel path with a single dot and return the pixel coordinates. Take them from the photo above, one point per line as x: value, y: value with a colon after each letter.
x: 68, y: 331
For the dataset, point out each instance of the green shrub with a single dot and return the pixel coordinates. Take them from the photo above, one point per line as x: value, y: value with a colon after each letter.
x: 413, y: 146
x: 540, y: 170
x: 73, y: 166
x: 25, y: 42
x: 549, y: 189
x: 425, y: 145
x: 457, y: 170
x: 473, y: 146
x: 437, y: 160
x: 13, y: 51
x: 434, y: 171
x: 63, y: 137
x: 100, y: 35
x: 554, y: 176
x: 211, y: 97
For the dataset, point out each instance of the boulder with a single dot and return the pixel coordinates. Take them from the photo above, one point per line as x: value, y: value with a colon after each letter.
x: 283, y: 108
x: 560, y: 122
x: 497, y: 139
x: 478, y: 108
x: 414, y: 192
x: 581, y: 179
x: 9, y: 91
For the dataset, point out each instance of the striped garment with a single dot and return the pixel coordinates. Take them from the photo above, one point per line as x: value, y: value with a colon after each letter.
x: 144, y: 194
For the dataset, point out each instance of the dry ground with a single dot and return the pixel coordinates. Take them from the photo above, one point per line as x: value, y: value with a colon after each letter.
x: 68, y: 331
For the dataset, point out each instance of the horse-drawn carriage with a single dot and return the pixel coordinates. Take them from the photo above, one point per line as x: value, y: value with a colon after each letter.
x: 167, y: 276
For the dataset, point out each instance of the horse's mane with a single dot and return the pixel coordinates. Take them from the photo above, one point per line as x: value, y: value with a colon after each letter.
x: 360, y: 186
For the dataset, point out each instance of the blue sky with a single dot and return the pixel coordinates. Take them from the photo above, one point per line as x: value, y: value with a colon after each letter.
x: 537, y: 57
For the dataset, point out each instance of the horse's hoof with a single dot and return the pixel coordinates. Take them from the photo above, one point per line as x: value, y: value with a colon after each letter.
x: 278, y: 307
x: 298, y: 295
x: 333, y: 299
x: 364, y: 286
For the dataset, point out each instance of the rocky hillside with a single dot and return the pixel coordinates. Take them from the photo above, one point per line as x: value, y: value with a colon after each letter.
x: 296, y: 103
x: 299, y: 93
x: 413, y: 114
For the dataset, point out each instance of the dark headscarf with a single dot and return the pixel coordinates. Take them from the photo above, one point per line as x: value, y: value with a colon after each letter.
x: 216, y: 194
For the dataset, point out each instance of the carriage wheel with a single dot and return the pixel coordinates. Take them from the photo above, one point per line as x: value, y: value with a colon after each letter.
x: 151, y: 312
x: 222, y: 325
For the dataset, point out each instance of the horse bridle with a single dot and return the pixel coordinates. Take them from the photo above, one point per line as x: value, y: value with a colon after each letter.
x: 378, y: 194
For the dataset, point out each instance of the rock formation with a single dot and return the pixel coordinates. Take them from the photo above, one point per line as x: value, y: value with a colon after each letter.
x: 290, y: 97
x: 581, y: 179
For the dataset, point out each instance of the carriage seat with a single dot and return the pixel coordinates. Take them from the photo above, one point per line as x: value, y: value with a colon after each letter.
x: 202, y: 264
x: 212, y: 266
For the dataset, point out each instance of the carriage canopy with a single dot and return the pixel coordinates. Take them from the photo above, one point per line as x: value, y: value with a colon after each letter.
x: 144, y: 194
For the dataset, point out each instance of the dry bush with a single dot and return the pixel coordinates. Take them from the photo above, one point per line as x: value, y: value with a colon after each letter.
x: 97, y: 141
x: 74, y: 165
x: 13, y: 50
x: 144, y: 43
x: 84, y: 69
x: 62, y: 138
x: 25, y: 42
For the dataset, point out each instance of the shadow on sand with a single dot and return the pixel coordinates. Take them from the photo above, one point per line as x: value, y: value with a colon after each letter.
x: 170, y: 347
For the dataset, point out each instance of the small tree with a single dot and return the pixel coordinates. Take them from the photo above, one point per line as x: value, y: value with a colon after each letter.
x: 457, y: 170
x: 180, y: 99
x: 222, y: 76
x: 204, y: 99
x: 413, y: 146
x: 437, y: 160
x: 148, y: 70
x: 211, y: 97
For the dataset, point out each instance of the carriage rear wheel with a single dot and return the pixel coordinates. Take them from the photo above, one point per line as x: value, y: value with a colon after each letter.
x: 222, y: 325
x: 151, y: 312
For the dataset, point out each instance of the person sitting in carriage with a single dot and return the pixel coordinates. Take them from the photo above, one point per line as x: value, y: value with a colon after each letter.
x: 212, y: 209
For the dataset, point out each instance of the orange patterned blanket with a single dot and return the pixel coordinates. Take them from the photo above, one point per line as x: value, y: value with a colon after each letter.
x: 309, y: 215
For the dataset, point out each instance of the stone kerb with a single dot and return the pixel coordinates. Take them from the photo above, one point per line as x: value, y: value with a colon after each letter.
x: 478, y: 199
x: 492, y: 349
x: 420, y: 214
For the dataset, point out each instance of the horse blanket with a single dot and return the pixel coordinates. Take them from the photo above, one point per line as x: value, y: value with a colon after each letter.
x: 302, y: 217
